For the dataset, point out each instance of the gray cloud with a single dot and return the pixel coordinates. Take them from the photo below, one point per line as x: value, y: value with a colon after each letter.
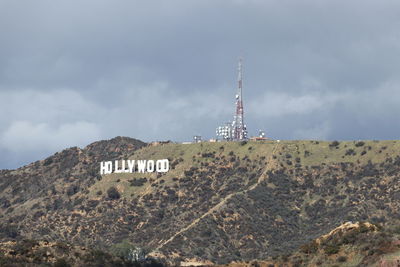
x: 72, y: 72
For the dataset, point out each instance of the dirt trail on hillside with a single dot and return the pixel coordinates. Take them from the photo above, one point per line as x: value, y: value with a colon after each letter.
x: 261, y: 178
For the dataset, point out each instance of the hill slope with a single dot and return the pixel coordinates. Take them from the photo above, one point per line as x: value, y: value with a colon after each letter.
x: 350, y: 244
x: 219, y: 202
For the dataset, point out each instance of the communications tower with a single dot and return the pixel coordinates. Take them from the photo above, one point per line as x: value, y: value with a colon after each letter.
x: 239, y: 131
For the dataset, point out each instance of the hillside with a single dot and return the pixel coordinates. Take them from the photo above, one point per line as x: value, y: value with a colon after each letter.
x: 350, y: 244
x: 220, y: 202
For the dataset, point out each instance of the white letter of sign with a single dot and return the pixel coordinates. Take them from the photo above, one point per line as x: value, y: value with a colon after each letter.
x: 162, y: 165
x: 150, y: 166
x: 131, y: 166
x: 105, y: 167
x: 141, y: 165
x: 116, y: 170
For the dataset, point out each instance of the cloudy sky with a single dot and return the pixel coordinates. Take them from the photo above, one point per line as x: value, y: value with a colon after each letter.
x: 73, y: 72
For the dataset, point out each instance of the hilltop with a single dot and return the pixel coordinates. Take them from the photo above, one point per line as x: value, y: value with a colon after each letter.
x: 220, y: 202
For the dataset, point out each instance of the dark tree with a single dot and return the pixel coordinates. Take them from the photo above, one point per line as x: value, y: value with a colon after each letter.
x: 113, y: 193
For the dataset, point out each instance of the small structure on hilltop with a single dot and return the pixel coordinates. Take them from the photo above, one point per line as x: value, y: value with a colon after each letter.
x: 197, y: 139
x: 261, y: 136
x: 224, y: 132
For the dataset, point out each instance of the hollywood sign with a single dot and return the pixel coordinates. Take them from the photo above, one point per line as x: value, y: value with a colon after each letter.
x: 131, y: 166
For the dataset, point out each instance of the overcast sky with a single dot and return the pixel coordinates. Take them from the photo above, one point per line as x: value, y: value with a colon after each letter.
x: 73, y: 72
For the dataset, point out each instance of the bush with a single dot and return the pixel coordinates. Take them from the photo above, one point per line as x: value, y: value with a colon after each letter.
x: 113, y: 193
x: 122, y: 249
x: 61, y: 263
x: 72, y: 190
x: 127, y: 251
x: 9, y: 230
x: 360, y: 143
x: 309, y: 248
x: 334, y: 144
x: 331, y: 249
x: 350, y: 152
x: 138, y: 181
x: 92, y: 203
x: 48, y: 161
x: 396, y: 229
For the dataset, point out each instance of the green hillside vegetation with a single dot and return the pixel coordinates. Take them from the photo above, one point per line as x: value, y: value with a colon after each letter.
x: 220, y: 202
x: 58, y: 254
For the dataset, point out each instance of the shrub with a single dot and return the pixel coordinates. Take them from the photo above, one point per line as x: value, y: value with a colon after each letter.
x: 130, y: 252
x: 396, y: 229
x: 309, y: 248
x: 92, y: 203
x: 38, y: 214
x: 350, y: 152
x: 113, y: 193
x: 360, y: 143
x: 334, y: 144
x: 48, y: 161
x: 72, y: 190
x: 9, y: 230
x: 61, y: 263
x: 138, y: 181
x: 331, y: 249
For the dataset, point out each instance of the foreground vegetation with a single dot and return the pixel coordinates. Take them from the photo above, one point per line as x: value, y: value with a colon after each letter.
x: 57, y: 254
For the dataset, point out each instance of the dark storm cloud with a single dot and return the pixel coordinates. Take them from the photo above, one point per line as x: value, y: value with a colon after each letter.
x: 72, y: 72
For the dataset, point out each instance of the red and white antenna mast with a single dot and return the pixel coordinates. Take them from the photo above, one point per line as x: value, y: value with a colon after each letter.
x: 239, y: 131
